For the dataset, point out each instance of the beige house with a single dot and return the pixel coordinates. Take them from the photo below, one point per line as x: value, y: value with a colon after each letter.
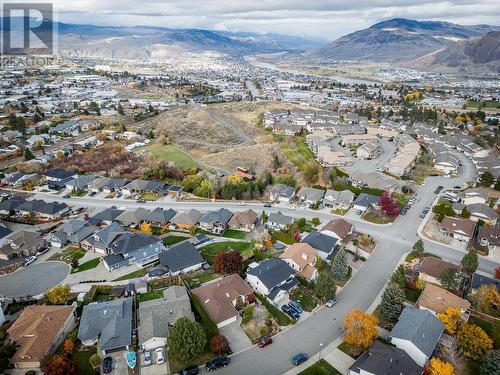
x: 437, y: 300
x: 432, y: 268
x: 302, y: 258
x: 244, y: 220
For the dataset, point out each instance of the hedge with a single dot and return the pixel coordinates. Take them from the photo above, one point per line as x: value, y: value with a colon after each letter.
x: 281, y: 318
x: 209, y: 326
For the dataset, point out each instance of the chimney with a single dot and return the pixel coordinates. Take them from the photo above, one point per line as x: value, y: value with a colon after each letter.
x: 304, y: 256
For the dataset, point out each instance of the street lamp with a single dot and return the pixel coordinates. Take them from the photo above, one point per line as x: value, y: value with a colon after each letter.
x: 320, y: 348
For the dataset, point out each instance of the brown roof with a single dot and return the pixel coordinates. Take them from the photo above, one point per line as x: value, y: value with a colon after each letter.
x: 247, y: 217
x: 301, y: 253
x: 339, y: 226
x: 217, y: 297
x: 458, y: 225
x: 435, y: 267
x: 438, y: 299
x: 36, y: 329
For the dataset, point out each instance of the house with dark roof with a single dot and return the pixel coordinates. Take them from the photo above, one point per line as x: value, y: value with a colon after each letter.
x: 132, y: 218
x: 479, y: 280
x: 386, y: 360
x: 273, y: 278
x: 9, y: 206
x: 278, y: 221
x: 181, y: 258
x: 310, y: 196
x: 216, y: 221
x: 4, y: 232
x: 160, y: 217
x: 481, y: 211
x: 108, y: 324
x: 186, y: 219
x: 101, y: 241
x: 281, y: 193
x: 106, y: 216
x: 80, y: 184
x: 22, y: 243
x: 365, y: 201
x: 326, y: 246
x: 58, y: 174
x: 338, y: 200
x: 73, y: 231
x: 129, y: 248
x: 417, y: 332
x: 432, y: 268
x: 489, y: 237
x: 47, y: 210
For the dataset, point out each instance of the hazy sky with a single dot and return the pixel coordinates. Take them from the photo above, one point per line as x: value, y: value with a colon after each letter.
x: 322, y: 18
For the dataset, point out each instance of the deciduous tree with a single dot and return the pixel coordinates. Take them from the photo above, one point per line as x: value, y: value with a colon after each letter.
x: 392, y: 302
x: 187, y: 340
x: 325, y: 286
x: 59, y: 364
x: 485, y: 298
x: 473, y: 341
x: 451, y: 319
x: 361, y: 329
x: 389, y: 204
x: 58, y: 294
x: 68, y: 346
x: 229, y: 263
x: 219, y: 344
x: 340, y: 268
x: 439, y: 367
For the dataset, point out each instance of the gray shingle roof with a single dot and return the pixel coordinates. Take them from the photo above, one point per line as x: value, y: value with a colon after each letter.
x: 366, y: 200
x: 180, y: 256
x: 279, y: 218
x: 272, y: 272
x: 220, y: 216
x: 128, y: 242
x: 159, y: 215
x: 420, y: 327
x: 321, y: 242
x: 190, y: 217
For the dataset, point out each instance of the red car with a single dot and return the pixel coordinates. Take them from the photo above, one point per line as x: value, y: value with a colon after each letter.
x: 264, y: 341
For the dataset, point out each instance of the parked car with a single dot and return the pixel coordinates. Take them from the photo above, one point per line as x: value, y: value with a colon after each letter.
x: 296, y: 306
x: 29, y: 260
x: 216, y: 363
x: 191, y: 370
x: 288, y: 310
x: 141, y: 201
x: 66, y: 196
x: 242, y: 204
x: 107, y: 365
x: 148, y: 358
x: 160, y: 356
x: 438, y: 189
x: 267, y: 204
x: 42, y: 250
x: 359, y: 212
x: 264, y: 341
x: 457, y: 187
x: 92, y: 193
x: 30, y: 372
x: 299, y: 358
x: 331, y: 302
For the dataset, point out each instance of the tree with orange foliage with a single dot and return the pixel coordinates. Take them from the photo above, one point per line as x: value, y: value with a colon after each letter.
x: 451, y: 319
x: 59, y: 364
x: 146, y: 228
x: 68, y: 346
x: 361, y: 329
x: 473, y: 341
x: 439, y: 367
x: 486, y: 298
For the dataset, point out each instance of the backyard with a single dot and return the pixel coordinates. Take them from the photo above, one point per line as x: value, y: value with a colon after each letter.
x: 172, y: 240
x: 201, y: 278
x: 152, y: 294
x: 244, y: 248
x: 233, y: 233
x: 82, y: 361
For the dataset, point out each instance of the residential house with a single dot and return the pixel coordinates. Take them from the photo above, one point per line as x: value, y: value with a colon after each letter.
x: 337, y: 228
x: 447, y: 163
x: 281, y: 193
x: 14, y: 178
x: 157, y: 316
x: 458, y: 228
x: 474, y: 195
x: 489, y: 237
x: 80, y: 184
x: 186, y: 219
x: 130, y: 248
x: 220, y: 297
x: 365, y: 201
x: 384, y: 359
x: 9, y: 206
x: 310, y: 196
x: 437, y: 300
x: 417, y: 332
x: 160, y: 217
x: 431, y: 269
x: 101, y: 241
x: 108, y: 325
x: 4, y: 233
x: 98, y: 184
x: 38, y: 332
x: 216, y: 221
x: 326, y: 246
x: 369, y: 150
x: 479, y: 280
x: 244, y: 220
x: 481, y: 211
x: 338, y: 200
x: 404, y: 160
x: 74, y: 231
x: 22, y: 243
x: 106, y: 216
x: 58, y: 174
x: 302, y: 258
x: 181, y: 258
x: 132, y: 218
x: 273, y: 278
x: 278, y: 221
x: 40, y: 208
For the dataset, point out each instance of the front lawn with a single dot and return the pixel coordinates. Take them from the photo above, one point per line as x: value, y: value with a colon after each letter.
x: 68, y: 254
x: 281, y: 317
x: 82, y: 361
x: 321, y: 367
x: 201, y: 278
x: 304, y: 297
x: 210, y: 251
x: 132, y: 275
x: 93, y: 263
x: 233, y: 233
x: 172, y: 240
x: 376, y: 218
x: 150, y: 197
x: 152, y: 294
x: 350, y: 350
x: 415, y: 255
x: 339, y: 211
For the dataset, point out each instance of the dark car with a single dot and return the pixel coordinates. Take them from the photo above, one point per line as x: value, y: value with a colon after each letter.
x: 457, y: 187
x: 288, y: 310
x: 67, y: 196
x: 191, y: 370
x: 267, y: 204
x: 92, y: 193
x: 299, y: 358
x: 296, y: 306
x: 30, y: 372
x: 107, y: 365
x: 141, y: 201
x: 264, y: 341
x: 216, y: 363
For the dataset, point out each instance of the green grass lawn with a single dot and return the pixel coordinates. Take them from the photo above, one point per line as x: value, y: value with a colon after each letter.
x: 150, y: 197
x: 202, y: 278
x: 378, y: 219
x: 93, y: 263
x: 321, y: 367
x: 412, y: 294
x: 483, y: 103
x: 133, y: 275
x: 172, y: 240
x: 68, y: 254
x: 233, y: 233
x: 297, y: 151
x: 152, y: 294
x: 304, y: 297
x: 82, y: 361
x: 168, y: 153
x: 244, y: 248
x: 350, y: 350
x: 414, y: 255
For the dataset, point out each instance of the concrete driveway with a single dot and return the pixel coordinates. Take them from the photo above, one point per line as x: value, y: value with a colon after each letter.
x: 154, y: 369
x: 34, y: 279
x: 119, y: 363
x: 238, y: 340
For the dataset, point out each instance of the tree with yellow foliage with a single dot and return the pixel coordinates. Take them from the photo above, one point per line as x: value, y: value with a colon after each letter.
x: 234, y: 180
x: 68, y: 346
x: 360, y: 329
x: 58, y: 294
x: 146, y: 228
x: 485, y: 298
x: 473, y: 341
x: 451, y: 319
x: 439, y: 367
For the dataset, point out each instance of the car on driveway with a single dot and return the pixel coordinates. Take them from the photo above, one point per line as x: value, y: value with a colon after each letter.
x: 217, y: 363
x: 264, y: 341
x: 141, y: 201
x: 29, y: 260
x: 191, y: 370
x: 148, y: 358
x: 288, y: 310
x: 42, y: 250
x: 160, y: 356
x: 107, y: 365
x: 296, y: 306
x: 267, y: 204
x: 299, y: 358
x: 331, y: 302
x: 438, y: 189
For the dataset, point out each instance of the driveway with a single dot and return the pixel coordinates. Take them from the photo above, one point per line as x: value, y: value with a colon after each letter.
x: 153, y: 369
x: 119, y: 363
x: 33, y: 280
x: 238, y: 340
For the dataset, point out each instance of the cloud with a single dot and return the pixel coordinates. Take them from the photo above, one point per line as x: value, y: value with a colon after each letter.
x: 321, y: 18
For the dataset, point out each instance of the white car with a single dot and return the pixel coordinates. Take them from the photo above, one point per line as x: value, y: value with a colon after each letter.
x: 243, y: 204
x: 148, y: 358
x: 29, y: 260
x: 160, y: 357
x: 331, y: 302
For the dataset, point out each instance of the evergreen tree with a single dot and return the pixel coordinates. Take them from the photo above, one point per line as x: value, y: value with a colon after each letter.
x: 340, y: 268
x: 449, y: 278
x: 418, y: 247
x: 392, y: 302
x: 470, y: 262
x: 28, y: 155
x: 399, y: 277
x: 490, y: 365
x: 486, y: 179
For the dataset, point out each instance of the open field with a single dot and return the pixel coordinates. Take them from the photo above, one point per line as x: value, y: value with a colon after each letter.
x: 170, y: 153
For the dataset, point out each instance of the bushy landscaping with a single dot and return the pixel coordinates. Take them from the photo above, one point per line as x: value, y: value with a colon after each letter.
x: 281, y: 318
x: 304, y: 297
x: 69, y: 254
